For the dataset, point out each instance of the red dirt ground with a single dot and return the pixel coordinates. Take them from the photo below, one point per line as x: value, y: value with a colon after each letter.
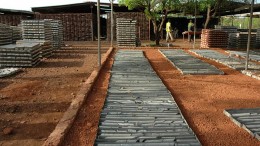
x: 201, y: 98
x: 33, y: 101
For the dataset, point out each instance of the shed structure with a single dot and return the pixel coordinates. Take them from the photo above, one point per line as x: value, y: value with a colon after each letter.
x: 14, y: 17
x: 80, y: 20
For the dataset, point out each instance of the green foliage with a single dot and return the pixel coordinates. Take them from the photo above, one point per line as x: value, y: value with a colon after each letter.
x: 202, y: 5
x: 241, y: 23
x: 153, y: 9
x: 131, y: 4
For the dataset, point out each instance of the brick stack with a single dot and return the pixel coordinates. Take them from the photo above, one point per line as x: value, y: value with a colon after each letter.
x: 36, y: 30
x: 57, y: 33
x: 239, y: 40
x: 16, y: 33
x: 5, y: 34
x: 76, y: 26
x: 20, y: 55
x: 214, y: 39
x: 45, y: 46
x: 126, y: 33
x: 142, y: 24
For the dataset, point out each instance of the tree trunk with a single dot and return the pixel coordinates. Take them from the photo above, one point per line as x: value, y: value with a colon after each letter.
x: 158, y: 29
x: 156, y: 33
x: 157, y: 41
x: 208, y: 17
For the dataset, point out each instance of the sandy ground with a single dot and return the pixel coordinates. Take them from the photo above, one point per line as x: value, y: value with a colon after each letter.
x: 33, y: 101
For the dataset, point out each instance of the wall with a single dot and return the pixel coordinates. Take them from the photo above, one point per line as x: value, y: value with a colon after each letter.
x: 12, y: 20
x: 76, y: 26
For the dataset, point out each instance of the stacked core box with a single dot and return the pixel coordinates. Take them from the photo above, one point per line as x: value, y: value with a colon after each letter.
x: 20, y: 55
x: 258, y: 38
x: 57, y: 33
x: 5, y: 34
x: 126, y: 32
x: 16, y: 33
x: 239, y: 40
x: 36, y: 30
x: 45, y: 46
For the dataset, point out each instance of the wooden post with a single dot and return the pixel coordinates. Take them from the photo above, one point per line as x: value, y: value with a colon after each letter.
x: 98, y: 31
x: 249, y: 35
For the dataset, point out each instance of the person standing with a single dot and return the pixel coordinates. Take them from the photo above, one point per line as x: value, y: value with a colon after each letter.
x: 190, y: 29
x: 168, y: 31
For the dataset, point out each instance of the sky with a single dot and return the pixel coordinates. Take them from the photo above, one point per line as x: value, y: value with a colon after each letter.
x: 28, y: 4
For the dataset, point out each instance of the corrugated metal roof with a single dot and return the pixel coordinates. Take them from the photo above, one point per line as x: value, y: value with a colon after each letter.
x: 12, y: 11
x: 86, y: 7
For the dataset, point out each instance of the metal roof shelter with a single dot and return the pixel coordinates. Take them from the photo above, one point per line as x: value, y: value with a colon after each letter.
x: 67, y: 12
x: 13, y: 17
x: 245, y: 8
x: 15, y: 12
x: 86, y: 7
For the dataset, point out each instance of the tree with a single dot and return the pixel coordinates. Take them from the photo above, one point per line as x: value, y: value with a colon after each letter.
x: 155, y: 10
x: 213, y: 7
x: 210, y: 7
